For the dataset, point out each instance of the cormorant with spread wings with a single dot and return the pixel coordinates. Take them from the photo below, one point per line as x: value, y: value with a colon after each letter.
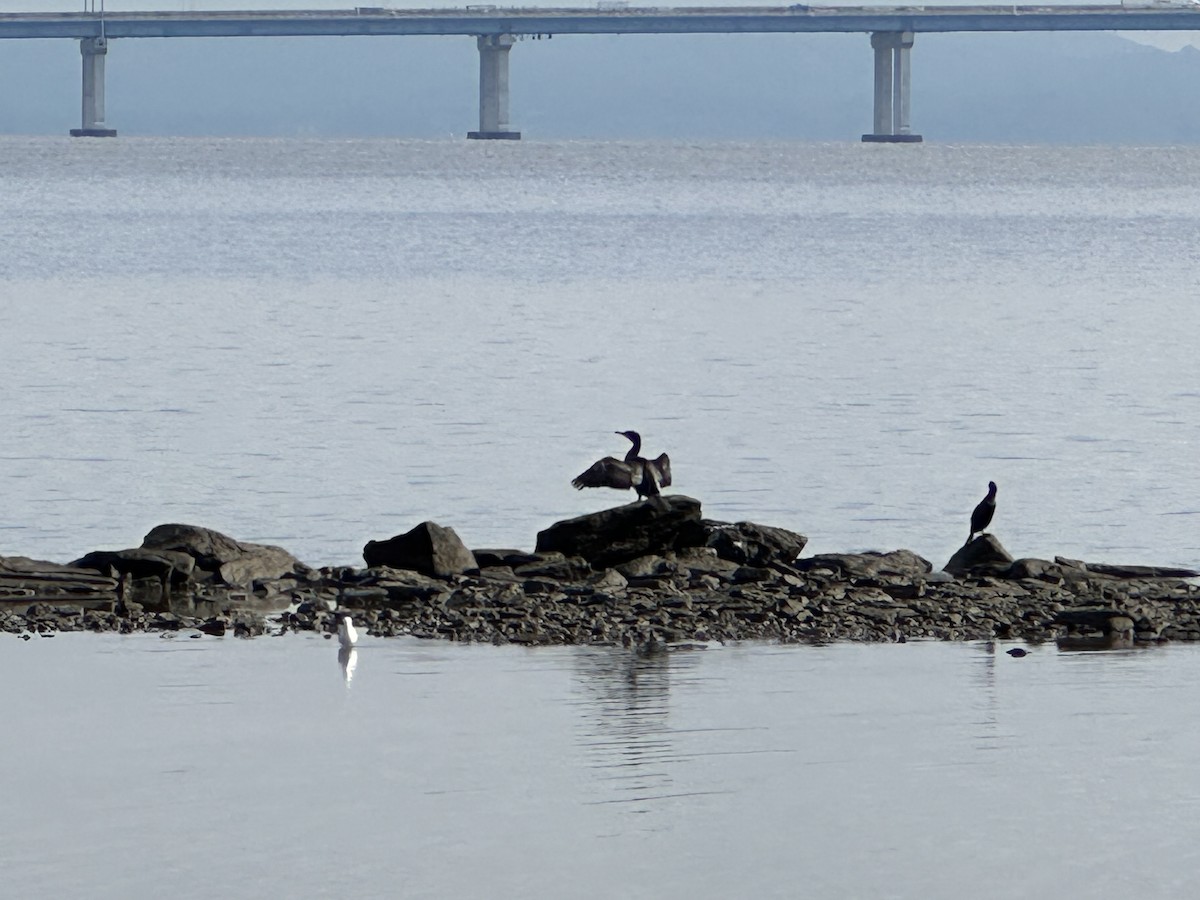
x: 645, y: 476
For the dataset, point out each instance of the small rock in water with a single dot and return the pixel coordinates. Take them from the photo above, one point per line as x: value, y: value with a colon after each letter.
x: 1017, y: 652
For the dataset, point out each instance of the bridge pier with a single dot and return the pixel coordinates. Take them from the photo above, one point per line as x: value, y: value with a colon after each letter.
x: 93, y: 50
x: 893, y: 89
x: 493, y: 89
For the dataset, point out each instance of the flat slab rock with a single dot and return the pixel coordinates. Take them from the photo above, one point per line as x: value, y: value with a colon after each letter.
x: 624, y: 533
x: 896, y: 563
x: 166, y: 565
x: 24, y: 581
x: 1119, y: 571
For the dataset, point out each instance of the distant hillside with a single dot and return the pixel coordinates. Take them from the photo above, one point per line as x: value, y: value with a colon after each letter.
x: 1054, y: 87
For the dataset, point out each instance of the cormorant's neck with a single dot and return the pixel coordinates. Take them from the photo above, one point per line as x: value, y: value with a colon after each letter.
x: 635, y: 449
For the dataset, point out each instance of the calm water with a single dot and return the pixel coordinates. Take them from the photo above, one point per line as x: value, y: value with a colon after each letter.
x: 320, y: 343
x: 225, y: 768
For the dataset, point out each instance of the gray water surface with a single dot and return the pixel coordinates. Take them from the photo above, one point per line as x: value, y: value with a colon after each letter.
x: 318, y: 343
x: 142, y: 767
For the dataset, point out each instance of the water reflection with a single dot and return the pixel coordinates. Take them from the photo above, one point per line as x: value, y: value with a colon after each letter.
x: 624, y: 728
x: 854, y: 770
x: 348, y: 660
x: 985, y: 731
x: 1115, y: 641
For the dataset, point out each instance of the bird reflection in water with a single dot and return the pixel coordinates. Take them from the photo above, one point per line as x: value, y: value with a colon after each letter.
x: 348, y: 660
x: 625, y: 705
x: 347, y: 655
x: 985, y: 727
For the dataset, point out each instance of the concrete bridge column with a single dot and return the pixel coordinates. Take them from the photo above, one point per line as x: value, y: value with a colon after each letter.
x: 493, y: 89
x: 93, y: 50
x: 893, y: 89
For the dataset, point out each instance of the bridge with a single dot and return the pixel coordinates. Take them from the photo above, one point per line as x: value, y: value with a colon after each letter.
x: 496, y: 29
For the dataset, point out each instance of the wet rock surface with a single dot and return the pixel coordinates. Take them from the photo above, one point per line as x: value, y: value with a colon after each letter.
x: 429, y: 548
x: 624, y: 533
x: 670, y: 579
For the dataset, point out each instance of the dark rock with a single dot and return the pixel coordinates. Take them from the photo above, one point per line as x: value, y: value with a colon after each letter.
x: 403, y: 593
x: 149, y: 593
x: 28, y: 580
x: 24, y: 566
x: 907, y: 590
x: 896, y: 563
x: 1115, y: 571
x: 644, y: 566
x: 165, y: 621
x: 364, y: 597
x: 498, y: 573
x: 232, y: 562
x: 429, y: 549
x: 169, y: 566
x: 1039, y: 569
x: 1068, y: 563
x: 982, y: 556
x: 1121, y: 625
x: 315, y: 605
x: 613, y: 536
x: 747, y: 543
x: 247, y: 625
x: 748, y: 574
x: 704, y: 561
x: 258, y: 562
x: 129, y: 608
x: 215, y: 627
x: 573, y: 568
x: 1103, y: 619
x: 609, y: 580
x: 510, y: 558
x: 210, y: 549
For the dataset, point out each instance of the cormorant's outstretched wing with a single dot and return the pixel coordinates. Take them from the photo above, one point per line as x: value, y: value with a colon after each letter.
x: 609, y: 472
x: 663, y: 466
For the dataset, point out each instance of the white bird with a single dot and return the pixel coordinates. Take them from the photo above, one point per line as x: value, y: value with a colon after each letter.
x: 347, y: 636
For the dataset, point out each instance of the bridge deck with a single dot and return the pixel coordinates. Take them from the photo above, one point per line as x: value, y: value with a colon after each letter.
x: 625, y: 20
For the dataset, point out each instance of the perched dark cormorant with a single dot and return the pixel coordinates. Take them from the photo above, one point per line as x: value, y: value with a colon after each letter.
x: 645, y: 476
x: 981, y: 517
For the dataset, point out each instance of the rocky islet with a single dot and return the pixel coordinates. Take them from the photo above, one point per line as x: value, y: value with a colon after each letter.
x: 649, y: 574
